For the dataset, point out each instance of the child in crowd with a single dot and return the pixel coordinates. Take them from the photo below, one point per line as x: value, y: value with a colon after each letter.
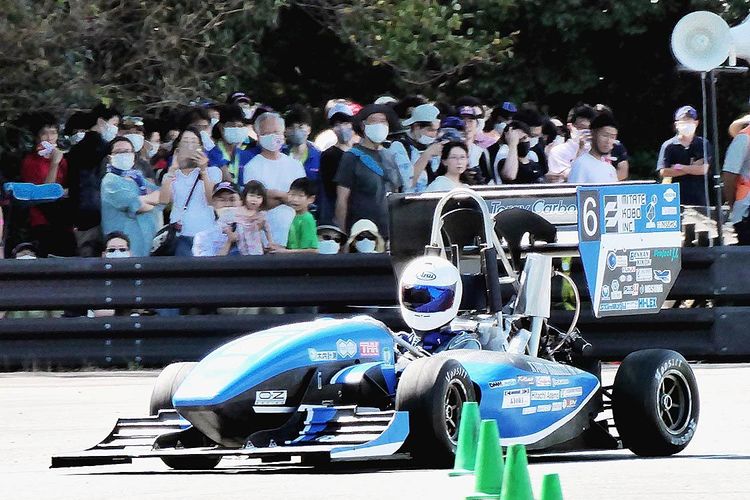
x: 303, y: 237
x: 252, y: 225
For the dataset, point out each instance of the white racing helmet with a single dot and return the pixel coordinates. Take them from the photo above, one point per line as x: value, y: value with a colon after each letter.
x: 430, y: 292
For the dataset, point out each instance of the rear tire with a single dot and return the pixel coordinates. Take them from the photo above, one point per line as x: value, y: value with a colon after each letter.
x: 433, y: 391
x: 655, y: 402
x: 165, y: 386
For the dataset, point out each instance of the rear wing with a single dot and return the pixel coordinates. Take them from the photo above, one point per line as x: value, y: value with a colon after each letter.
x: 641, y: 217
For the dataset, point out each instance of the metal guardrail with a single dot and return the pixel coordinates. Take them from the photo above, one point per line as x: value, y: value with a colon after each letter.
x: 716, y: 278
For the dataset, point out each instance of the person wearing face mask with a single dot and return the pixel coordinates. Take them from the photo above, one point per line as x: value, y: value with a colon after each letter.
x: 516, y: 163
x: 500, y: 116
x: 250, y: 111
x: 681, y: 158
x: 595, y: 166
x: 561, y: 157
x: 133, y: 129
x: 331, y: 239
x: 327, y: 138
x: 423, y: 126
x: 51, y: 223
x: 340, y: 119
x: 75, y: 127
x: 230, y: 153
x: 619, y: 155
x: 470, y: 111
x: 298, y: 120
x: 531, y: 117
x: 128, y: 198
x: 276, y: 171
x: 365, y: 238
x: 86, y: 165
x: 367, y: 172
x: 189, y: 185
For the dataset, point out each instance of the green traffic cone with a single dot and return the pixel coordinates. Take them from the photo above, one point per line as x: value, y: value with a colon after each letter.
x: 489, y: 463
x: 468, y: 438
x: 516, y: 481
x: 551, y: 489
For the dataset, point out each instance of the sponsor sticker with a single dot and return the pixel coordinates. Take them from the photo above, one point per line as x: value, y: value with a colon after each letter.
x: 346, y: 348
x: 571, y: 392
x: 370, y: 348
x: 666, y: 224
x: 605, y: 292
x: 543, y: 381
x: 529, y: 410
x: 616, y: 295
x: 669, y: 210
x: 516, y: 398
x: 669, y: 195
x: 569, y: 403
x: 622, y: 261
x: 545, y: 395
x: 316, y: 355
x: 560, y: 381
x: 664, y: 276
x: 643, y: 274
x: 523, y: 379
x: 557, y: 406
x: 658, y: 288
x: 503, y: 383
x: 628, y: 269
x: 544, y: 408
x: 270, y: 398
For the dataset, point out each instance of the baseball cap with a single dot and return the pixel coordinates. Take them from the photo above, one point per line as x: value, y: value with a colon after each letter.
x: 238, y: 97
x: 688, y: 111
x: 225, y: 186
x: 468, y: 111
x: 509, y: 107
x: 385, y: 99
x: 339, y: 107
x: 422, y: 113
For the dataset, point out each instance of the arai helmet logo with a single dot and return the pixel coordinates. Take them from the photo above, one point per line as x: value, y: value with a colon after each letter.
x: 426, y: 276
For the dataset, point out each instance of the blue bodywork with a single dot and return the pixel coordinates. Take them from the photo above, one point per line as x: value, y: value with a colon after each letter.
x: 530, y: 398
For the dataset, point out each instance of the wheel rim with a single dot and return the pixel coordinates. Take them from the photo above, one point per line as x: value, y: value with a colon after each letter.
x: 674, y: 402
x: 455, y: 396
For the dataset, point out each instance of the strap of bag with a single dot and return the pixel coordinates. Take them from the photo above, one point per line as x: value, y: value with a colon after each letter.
x: 184, y: 209
x: 368, y: 162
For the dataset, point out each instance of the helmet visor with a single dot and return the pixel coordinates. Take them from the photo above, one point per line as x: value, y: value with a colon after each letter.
x: 428, y: 298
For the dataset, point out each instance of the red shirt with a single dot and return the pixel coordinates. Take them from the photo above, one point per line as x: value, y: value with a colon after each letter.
x: 34, y: 169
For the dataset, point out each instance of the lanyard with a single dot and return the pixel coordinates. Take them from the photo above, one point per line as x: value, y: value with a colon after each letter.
x: 234, y: 163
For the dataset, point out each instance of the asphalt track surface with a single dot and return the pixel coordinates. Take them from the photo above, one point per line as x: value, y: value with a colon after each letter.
x: 43, y: 414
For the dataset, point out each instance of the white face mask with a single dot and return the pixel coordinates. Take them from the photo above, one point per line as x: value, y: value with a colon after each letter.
x: 122, y: 161
x: 214, y: 121
x: 76, y: 138
x: 26, y: 257
x: 533, y: 141
x: 247, y: 112
x: 136, y: 140
x: 558, y: 140
x: 425, y: 140
x: 376, y: 132
x: 47, y: 148
x: 235, y: 135
x: 109, y: 132
x: 117, y: 255
x: 153, y: 150
x: 271, y: 142
x: 480, y: 124
x: 500, y: 127
x: 328, y: 247
x: 208, y: 143
x: 686, y: 129
x: 365, y: 246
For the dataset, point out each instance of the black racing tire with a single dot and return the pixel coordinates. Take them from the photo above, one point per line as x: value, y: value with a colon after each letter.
x: 165, y: 386
x: 655, y: 402
x: 433, y: 391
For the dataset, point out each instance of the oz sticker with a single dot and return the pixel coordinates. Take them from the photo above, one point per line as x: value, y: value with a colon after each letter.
x: 517, y: 398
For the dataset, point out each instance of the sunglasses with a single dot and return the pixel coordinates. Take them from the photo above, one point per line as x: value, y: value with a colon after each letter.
x: 365, y: 236
x: 116, y: 250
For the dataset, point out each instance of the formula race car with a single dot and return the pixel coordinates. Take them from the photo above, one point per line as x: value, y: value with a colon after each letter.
x: 335, y: 390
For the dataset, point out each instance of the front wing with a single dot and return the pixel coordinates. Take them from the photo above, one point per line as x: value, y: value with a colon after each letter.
x: 314, y: 433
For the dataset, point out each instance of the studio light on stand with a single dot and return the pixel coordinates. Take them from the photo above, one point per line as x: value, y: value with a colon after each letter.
x: 701, y: 42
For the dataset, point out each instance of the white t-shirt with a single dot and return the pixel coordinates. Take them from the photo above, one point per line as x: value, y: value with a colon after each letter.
x: 442, y: 183
x: 199, y: 215
x: 587, y: 169
x: 278, y: 175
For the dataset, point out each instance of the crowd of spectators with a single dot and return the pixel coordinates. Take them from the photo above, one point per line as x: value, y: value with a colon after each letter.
x: 239, y: 178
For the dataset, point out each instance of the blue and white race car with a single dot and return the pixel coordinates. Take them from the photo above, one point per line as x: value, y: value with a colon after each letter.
x: 335, y: 390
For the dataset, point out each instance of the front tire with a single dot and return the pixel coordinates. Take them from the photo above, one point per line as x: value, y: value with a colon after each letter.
x: 655, y: 402
x: 433, y: 391
x: 165, y: 386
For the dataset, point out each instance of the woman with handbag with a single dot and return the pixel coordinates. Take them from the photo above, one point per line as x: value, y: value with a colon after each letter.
x: 188, y: 185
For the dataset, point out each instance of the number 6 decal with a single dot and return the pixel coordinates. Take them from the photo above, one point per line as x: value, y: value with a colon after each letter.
x: 590, y: 217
